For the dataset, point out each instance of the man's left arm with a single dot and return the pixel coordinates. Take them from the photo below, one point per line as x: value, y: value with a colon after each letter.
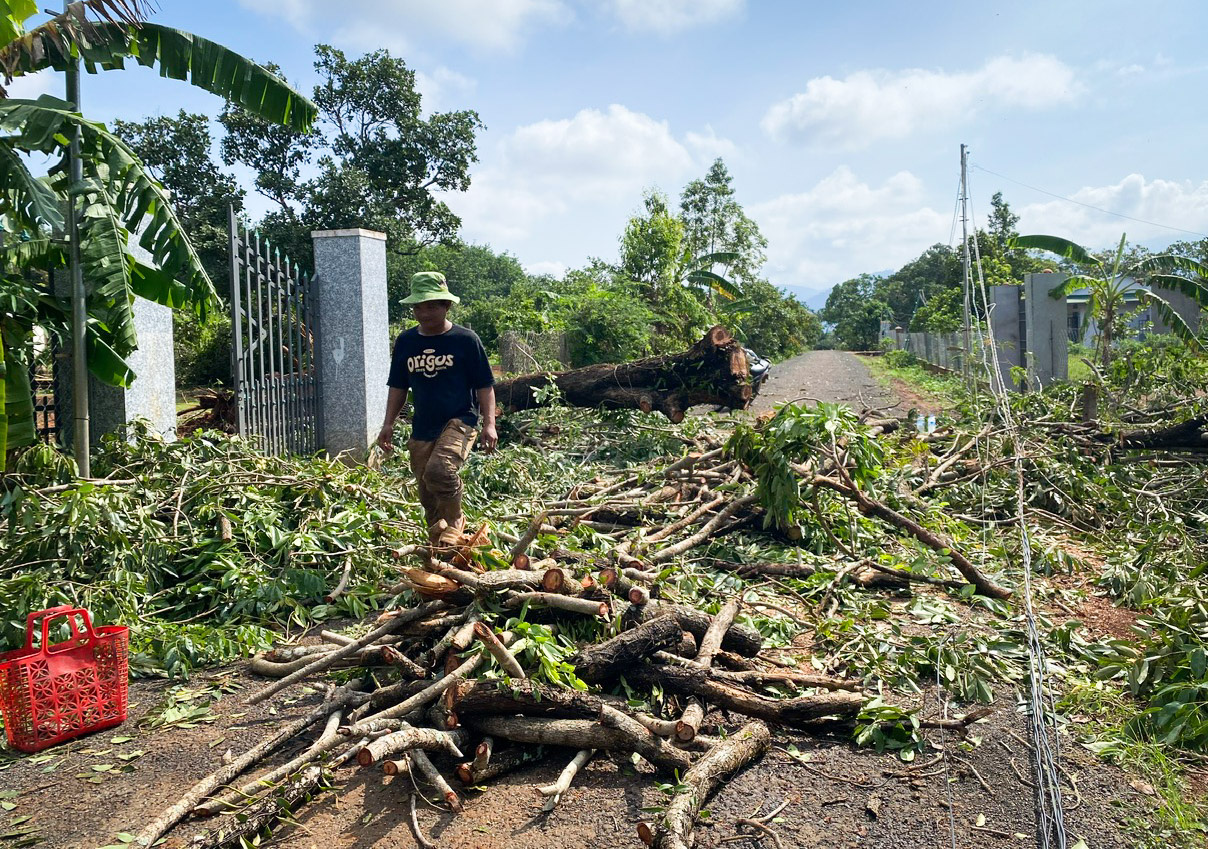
x: 486, y: 407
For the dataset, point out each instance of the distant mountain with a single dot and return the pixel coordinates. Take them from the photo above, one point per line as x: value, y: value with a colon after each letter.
x: 815, y: 299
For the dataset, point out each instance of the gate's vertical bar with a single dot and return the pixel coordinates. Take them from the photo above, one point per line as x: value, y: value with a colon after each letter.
x: 287, y: 354
x: 249, y: 320
x: 316, y: 345
x: 279, y: 347
x: 236, y: 322
x: 258, y: 359
x: 295, y: 361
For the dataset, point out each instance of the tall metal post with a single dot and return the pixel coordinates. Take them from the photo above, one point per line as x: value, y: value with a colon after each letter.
x: 79, y: 307
x: 967, y: 359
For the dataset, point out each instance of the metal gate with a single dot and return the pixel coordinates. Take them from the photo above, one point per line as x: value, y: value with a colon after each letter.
x: 45, y: 373
x: 273, y: 321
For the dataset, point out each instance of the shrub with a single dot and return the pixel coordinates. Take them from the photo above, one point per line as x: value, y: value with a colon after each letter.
x: 203, y: 349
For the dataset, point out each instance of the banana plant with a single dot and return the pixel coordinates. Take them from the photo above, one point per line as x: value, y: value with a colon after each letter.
x: 116, y: 197
x: 1109, y: 284
x: 699, y: 273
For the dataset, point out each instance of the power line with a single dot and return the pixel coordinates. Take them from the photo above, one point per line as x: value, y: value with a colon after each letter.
x: 1089, y: 205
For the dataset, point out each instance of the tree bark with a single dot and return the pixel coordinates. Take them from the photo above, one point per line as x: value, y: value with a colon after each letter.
x: 487, y: 697
x: 1191, y: 435
x: 674, y: 829
x: 581, y: 733
x: 713, y: 371
x: 597, y: 664
x: 803, y: 711
x: 740, y: 639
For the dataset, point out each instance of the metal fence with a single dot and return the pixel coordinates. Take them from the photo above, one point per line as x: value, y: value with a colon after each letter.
x: 524, y: 352
x: 275, y: 366
x: 45, y: 376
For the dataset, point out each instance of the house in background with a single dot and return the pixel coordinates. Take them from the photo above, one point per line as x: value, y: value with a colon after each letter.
x: 1084, y: 329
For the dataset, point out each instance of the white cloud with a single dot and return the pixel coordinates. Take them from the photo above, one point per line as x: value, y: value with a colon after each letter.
x: 553, y: 269
x: 597, y: 154
x: 671, y: 16
x: 403, y: 25
x: 562, y: 189
x: 1164, y: 202
x: 33, y: 86
x: 843, y: 227
x: 443, y: 88
x: 708, y: 145
x: 871, y: 105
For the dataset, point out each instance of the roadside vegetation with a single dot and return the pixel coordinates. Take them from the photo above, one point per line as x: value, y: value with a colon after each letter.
x: 211, y: 551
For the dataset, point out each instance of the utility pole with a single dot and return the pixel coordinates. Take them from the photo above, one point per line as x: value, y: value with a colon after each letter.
x: 967, y: 359
x: 79, y: 307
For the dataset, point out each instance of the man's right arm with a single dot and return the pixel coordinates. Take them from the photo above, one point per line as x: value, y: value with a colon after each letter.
x: 394, y: 405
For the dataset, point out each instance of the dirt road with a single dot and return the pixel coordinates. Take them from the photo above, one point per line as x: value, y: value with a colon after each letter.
x: 833, y: 376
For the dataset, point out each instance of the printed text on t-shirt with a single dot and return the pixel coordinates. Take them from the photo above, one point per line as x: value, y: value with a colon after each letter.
x: 428, y: 363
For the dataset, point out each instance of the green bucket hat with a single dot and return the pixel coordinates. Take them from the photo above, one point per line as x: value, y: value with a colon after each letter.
x: 429, y: 286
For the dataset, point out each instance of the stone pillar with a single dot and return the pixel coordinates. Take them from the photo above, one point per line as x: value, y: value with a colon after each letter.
x: 152, y: 393
x: 353, y: 337
x: 1047, y: 329
x: 1005, y: 322
x: 1185, y: 306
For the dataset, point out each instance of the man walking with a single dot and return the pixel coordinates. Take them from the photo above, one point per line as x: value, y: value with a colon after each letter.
x: 446, y: 368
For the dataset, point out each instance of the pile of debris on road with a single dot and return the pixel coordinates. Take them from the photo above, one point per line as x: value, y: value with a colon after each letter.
x: 503, y: 658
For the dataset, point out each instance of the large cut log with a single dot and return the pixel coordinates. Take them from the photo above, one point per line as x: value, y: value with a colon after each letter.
x: 597, y: 664
x: 492, y: 697
x: 585, y: 733
x: 1191, y: 435
x: 713, y: 371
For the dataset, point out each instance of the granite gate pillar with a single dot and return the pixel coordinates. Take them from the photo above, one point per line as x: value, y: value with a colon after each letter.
x: 353, y: 337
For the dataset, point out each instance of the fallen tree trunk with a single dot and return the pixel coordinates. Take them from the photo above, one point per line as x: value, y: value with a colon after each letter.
x: 1191, y: 435
x: 713, y: 371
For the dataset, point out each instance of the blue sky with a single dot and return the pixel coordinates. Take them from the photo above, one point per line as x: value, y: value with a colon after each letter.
x: 840, y: 122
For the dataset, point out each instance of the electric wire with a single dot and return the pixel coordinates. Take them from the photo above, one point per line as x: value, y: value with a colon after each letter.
x: 1089, y: 205
x: 1046, y: 752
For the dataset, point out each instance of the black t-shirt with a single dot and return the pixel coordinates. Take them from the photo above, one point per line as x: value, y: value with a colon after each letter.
x: 442, y: 373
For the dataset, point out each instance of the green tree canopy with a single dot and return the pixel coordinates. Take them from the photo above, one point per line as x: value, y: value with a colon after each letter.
x: 115, y: 196
x: 381, y: 163
x: 715, y: 224
x: 855, y: 311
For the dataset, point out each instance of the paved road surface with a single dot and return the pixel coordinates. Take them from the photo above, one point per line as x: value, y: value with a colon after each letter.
x: 823, y: 376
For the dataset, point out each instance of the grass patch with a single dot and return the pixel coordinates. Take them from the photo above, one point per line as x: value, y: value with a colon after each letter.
x: 938, y: 390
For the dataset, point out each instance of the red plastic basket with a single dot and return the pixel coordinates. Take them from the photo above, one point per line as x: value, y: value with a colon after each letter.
x: 56, y: 692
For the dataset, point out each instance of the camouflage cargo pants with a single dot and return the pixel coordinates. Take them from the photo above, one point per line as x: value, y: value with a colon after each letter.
x: 436, y: 465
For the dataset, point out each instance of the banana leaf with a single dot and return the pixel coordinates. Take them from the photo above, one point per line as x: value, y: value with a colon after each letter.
x: 16, y: 394
x: 177, y: 54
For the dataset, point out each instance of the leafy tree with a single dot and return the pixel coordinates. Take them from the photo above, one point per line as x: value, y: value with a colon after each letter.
x: 936, y: 270
x: 475, y: 273
x: 716, y: 229
x: 652, y: 246
x: 943, y: 313
x: 115, y: 195
x: 856, y: 312
x: 605, y: 322
x: 1110, y: 280
x: 176, y: 151
x: 773, y: 324
x: 1002, y: 222
x: 381, y: 163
